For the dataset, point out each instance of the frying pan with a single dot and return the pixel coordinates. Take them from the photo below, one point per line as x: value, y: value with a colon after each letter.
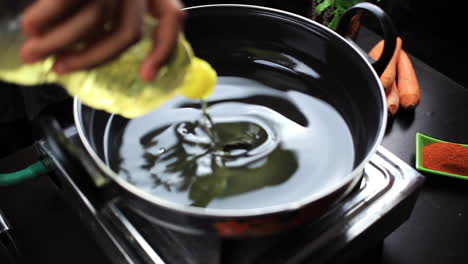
x: 349, y: 83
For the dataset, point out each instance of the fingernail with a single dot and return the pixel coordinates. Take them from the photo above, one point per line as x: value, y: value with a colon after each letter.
x: 147, y: 73
x: 60, y: 67
x: 27, y: 53
x: 150, y: 75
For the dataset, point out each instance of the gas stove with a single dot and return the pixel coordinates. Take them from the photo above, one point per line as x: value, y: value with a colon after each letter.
x: 379, y: 205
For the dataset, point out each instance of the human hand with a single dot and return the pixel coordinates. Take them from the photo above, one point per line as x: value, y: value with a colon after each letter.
x: 82, y: 34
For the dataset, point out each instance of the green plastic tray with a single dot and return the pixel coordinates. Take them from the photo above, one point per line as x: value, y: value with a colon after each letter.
x: 423, y: 140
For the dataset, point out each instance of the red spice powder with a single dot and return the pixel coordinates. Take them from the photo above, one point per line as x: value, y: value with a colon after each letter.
x: 446, y: 157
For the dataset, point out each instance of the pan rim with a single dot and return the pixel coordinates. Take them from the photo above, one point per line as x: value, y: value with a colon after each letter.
x: 214, y: 212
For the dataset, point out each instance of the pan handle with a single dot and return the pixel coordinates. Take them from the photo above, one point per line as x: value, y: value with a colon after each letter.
x: 349, y: 25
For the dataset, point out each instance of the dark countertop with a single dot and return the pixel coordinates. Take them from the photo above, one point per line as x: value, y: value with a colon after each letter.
x: 436, y: 231
x: 48, y: 231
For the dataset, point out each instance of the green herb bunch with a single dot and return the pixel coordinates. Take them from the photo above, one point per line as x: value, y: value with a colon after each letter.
x: 330, y: 11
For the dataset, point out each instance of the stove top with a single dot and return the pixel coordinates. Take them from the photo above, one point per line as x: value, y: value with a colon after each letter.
x: 382, y: 202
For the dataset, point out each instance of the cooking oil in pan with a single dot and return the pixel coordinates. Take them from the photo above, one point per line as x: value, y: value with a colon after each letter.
x: 254, y: 147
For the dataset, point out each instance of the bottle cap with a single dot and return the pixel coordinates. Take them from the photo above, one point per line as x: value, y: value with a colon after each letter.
x: 199, y: 81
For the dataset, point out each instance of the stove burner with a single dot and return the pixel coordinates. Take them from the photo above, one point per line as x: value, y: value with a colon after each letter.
x: 382, y: 202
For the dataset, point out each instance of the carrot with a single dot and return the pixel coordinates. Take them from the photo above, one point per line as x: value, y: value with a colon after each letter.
x: 393, y: 99
x: 388, y: 76
x: 408, y: 85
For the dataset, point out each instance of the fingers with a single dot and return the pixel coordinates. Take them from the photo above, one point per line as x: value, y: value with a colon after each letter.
x: 54, y: 27
x: 170, y: 20
x: 126, y: 33
x: 70, y: 32
x: 41, y: 15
